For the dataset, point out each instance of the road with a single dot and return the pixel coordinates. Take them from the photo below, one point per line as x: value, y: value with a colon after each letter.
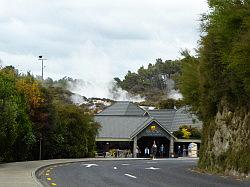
x: 134, y: 173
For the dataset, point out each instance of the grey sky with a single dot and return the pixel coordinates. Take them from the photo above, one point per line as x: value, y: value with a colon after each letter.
x: 95, y: 39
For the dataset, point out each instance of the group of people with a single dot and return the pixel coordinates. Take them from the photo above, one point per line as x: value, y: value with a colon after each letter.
x: 153, y: 151
x: 182, y: 152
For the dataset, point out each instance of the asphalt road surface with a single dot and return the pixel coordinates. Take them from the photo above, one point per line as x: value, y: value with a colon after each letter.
x: 133, y: 173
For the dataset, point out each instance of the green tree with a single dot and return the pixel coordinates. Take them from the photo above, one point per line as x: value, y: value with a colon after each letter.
x: 75, y: 132
x: 16, y: 135
x: 217, y: 82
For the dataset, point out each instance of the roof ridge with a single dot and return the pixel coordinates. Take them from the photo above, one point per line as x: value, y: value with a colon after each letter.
x: 126, y: 111
x: 171, y: 127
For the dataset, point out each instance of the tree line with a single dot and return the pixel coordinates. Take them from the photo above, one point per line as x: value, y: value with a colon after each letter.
x: 216, y: 83
x: 33, y: 113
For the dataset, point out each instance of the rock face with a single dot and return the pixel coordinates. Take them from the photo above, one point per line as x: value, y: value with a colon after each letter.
x: 226, y: 142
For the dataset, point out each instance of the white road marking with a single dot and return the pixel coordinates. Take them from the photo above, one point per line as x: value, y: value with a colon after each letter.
x: 132, y: 176
x: 89, y: 165
x: 152, y: 168
x: 125, y: 164
x: 115, y: 167
x: 151, y: 162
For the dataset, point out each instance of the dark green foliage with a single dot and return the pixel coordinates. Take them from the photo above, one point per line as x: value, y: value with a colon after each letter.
x: 169, y: 104
x: 189, y: 80
x: 16, y: 135
x: 75, y: 133
x: 218, y: 80
x: 151, y: 82
x: 31, y: 113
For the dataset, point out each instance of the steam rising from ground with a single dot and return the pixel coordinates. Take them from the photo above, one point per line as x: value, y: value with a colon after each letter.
x: 99, y: 90
x: 111, y: 91
x: 172, y: 93
x: 175, y: 94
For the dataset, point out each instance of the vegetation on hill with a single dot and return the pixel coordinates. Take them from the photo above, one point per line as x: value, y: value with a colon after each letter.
x: 153, y: 82
x: 32, y: 113
x: 216, y: 83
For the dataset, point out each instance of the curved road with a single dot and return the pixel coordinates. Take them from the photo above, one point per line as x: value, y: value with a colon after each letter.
x: 134, y: 173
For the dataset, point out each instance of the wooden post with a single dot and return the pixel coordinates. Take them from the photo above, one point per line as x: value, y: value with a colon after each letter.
x: 171, y: 147
x: 134, y: 147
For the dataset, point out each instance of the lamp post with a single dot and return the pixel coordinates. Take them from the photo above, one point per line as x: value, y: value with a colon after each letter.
x: 42, y: 59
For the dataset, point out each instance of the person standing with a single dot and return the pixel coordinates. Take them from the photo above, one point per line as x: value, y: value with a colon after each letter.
x: 154, y: 149
x: 146, y: 152
x: 106, y: 149
x: 184, y: 153
x: 162, y: 150
x: 137, y: 150
x: 179, y: 151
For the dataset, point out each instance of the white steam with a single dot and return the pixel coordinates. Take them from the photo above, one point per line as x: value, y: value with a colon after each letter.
x: 118, y: 94
x: 171, y: 92
x: 175, y: 94
x: 100, y: 90
x: 78, y: 99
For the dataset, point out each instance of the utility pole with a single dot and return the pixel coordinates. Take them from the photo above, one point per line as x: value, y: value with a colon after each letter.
x: 42, y: 59
x: 40, y: 148
x: 40, y: 137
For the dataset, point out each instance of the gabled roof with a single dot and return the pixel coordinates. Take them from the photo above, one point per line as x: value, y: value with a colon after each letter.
x: 124, y: 120
x: 172, y: 119
x: 145, y: 125
x: 184, y: 117
x: 123, y: 108
x: 164, y: 116
x: 119, y: 126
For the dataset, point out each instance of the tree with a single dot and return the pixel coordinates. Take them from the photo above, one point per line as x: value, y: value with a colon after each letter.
x: 216, y: 83
x: 151, y: 82
x: 75, y: 132
x: 16, y: 135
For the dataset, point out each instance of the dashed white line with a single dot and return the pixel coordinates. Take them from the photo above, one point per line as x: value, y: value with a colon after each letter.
x: 125, y: 164
x: 132, y: 176
x: 152, y: 168
x: 151, y: 162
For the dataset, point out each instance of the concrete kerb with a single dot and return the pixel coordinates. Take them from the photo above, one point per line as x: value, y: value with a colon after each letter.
x: 35, y: 173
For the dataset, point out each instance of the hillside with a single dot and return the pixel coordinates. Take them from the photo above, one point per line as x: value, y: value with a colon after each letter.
x: 216, y: 83
x: 154, y: 82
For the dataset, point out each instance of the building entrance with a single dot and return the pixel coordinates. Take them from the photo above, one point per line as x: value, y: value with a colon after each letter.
x: 146, y: 141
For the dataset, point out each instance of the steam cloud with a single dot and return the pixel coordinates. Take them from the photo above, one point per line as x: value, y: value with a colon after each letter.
x: 99, y: 90
x: 171, y: 92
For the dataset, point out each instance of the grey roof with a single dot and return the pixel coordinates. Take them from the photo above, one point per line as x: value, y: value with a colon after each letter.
x: 123, y: 108
x: 163, y: 116
x: 172, y: 119
x: 120, y: 126
x: 184, y: 117
x: 124, y: 119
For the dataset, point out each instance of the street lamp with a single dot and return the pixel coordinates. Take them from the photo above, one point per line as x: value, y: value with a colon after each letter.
x: 42, y: 59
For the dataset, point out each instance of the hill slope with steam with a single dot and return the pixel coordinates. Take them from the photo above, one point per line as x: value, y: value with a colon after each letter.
x: 154, y: 83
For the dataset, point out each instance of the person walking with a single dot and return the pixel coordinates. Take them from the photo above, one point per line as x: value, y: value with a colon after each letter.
x: 154, y: 150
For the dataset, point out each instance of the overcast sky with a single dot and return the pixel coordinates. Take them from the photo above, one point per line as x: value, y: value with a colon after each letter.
x: 95, y: 39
